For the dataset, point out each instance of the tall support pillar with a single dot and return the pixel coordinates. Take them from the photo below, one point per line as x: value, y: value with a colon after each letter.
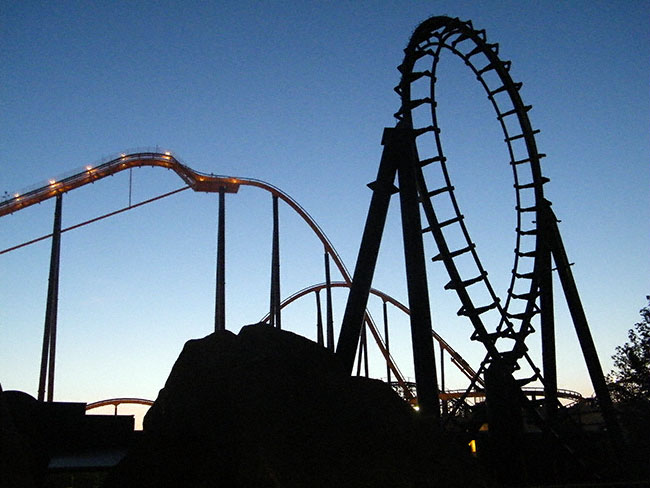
x: 319, y: 321
x: 48, y: 354
x: 399, y: 157
x: 275, y: 320
x: 584, y: 335
x: 547, y: 316
x: 220, y: 300
x: 416, y: 279
x: 363, y: 353
x: 386, y: 339
x: 442, y: 368
x: 445, y: 403
x: 328, y: 304
x: 382, y: 189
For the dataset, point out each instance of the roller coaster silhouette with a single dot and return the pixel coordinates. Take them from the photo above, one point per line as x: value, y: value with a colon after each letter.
x: 413, y: 155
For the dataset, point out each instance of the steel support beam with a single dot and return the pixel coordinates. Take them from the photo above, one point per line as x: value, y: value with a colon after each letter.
x: 220, y: 299
x: 416, y: 278
x: 363, y: 352
x: 445, y: 403
x: 355, y: 308
x: 319, y: 320
x: 398, y: 158
x: 328, y: 304
x: 386, y: 340
x: 275, y: 312
x: 547, y: 315
x: 48, y: 354
x: 584, y: 335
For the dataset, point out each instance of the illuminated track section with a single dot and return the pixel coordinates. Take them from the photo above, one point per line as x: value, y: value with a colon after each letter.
x: 197, y: 181
x: 194, y: 179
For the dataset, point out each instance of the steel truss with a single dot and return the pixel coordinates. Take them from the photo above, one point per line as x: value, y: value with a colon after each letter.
x: 501, y: 326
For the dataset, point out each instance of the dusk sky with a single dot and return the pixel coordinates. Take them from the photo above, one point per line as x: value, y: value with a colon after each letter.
x: 297, y: 94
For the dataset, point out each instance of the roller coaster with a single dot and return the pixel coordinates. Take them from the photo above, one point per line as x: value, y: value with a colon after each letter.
x: 413, y: 156
x: 205, y: 183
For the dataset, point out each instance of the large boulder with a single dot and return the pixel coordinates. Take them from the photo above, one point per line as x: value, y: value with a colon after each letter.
x: 270, y: 408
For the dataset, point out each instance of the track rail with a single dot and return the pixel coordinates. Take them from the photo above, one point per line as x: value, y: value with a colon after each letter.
x: 194, y: 179
x: 197, y: 181
x: 493, y: 320
x: 480, y: 394
x: 118, y: 401
x: 456, y: 358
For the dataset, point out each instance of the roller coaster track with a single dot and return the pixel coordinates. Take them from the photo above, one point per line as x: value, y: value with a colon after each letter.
x: 195, y: 180
x: 456, y: 358
x: 501, y: 326
x: 514, y: 315
x: 414, y: 151
x: 118, y: 401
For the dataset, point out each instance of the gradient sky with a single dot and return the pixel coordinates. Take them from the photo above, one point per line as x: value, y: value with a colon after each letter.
x: 297, y: 94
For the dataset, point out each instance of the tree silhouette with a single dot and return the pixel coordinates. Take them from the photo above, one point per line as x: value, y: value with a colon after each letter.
x: 629, y: 382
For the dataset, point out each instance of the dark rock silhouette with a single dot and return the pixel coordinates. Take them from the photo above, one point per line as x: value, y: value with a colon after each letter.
x: 270, y: 408
x: 23, y: 461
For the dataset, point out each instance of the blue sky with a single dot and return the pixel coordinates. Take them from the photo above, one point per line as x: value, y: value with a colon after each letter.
x: 297, y: 94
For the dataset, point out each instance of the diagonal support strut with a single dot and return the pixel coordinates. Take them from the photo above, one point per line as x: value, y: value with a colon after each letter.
x: 399, y: 158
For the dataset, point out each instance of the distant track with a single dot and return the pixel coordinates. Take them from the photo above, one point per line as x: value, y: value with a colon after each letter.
x: 118, y: 401
x: 456, y: 358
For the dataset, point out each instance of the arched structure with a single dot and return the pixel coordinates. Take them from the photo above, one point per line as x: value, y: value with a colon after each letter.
x: 538, y: 240
x: 118, y: 401
x: 413, y: 153
x: 429, y: 42
x: 456, y: 358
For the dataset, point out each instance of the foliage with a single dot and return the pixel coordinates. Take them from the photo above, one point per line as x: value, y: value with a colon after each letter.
x: 630, y: 381
x: 629, y: 384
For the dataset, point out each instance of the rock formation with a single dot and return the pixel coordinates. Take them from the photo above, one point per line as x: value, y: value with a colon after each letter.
x: 270, y: 408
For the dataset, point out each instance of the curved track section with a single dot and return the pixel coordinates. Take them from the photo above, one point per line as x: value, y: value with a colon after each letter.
x: 456, y: 358
x: 501, y: 326
x: 119, y: 401
x: 195, y: 180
